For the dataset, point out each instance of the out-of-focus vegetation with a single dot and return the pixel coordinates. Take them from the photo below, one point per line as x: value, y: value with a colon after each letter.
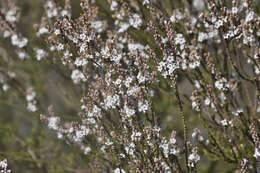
x: 25, y: 140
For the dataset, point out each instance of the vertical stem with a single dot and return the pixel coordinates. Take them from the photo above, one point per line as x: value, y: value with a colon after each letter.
x: 183, y: 122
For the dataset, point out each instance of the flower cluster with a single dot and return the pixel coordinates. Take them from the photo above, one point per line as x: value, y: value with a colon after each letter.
x: 3, y: 167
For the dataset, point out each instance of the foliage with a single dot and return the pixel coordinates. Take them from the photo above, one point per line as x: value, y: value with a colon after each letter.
x: 130, y: 86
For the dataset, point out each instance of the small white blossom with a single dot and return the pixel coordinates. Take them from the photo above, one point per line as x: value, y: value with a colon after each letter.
x: 224, y: 122
x: 57, y: 32
x: 10, y: 16
x: 111, y: 101
x: 40, y: 53
x: 143, y: 106
x: 41, y: 31
x: 53, y: 123
x: 198, y: 4
x: 202, y: 36
x: 31, y: 95
x: 207, y: 101
x: 113, y: 6
x: 238, y: 112
x: 180, y: 40
x: 219, y: 23
x: 31, y: 107
x: 87, y: 150
x: 222, y: 84
x: 257, y: 153
x: 6, y: 34
x: 22, y: 55
x: 19, y: 42
x: 145, y: 2
x: 5, y: 87
x: 193, y: 159
x: 80, y: 62
x: 60, y: 47
x: 119, y: 170
x: 250, y: 16
x: 78, y: 76
x: 135, y: 21
x: 234, y: 10
x: 98, y: 26
x: 128, y: 111
x: 123, y: 27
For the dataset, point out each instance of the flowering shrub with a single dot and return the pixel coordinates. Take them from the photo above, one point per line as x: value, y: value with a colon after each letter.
x: 161, y: 86
x: 3, y: 166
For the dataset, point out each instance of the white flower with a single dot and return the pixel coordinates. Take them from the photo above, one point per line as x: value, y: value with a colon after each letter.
x: 80, y: 133
x: 234, y: 10
x: 257, y: 153
x: 116, y: 58
x: 59, y: 135
x: 256, y: 70
x: 202, y: 36
x: 238, y: 112
x: 143, y: 106
x: 245, y: 4
x: 221, y: 84
x: 146, y: 2
x: 207, y: 101
x: 78, y: 76
x: 224, y: 122
x: 5, y: 87
x: 198, y: 4
x: 219, y: 23
x: 118, y: 82
x: 194, y: 64
x: 172, y: 141
x: 31, y: 107
x: 129, y: 112
x: 179, y: 40
x: 87, y: 150
x: 173, y: 19
x: 60, y: 47
x: 111, y: 101
x: 3, y: 166
x: 141, y: 78
x: 22, y: 55
x: 53, y: 122
x: 130, y: 149
x: 135, y: 21
x: 80, y: 62
x: 136, y: 136
x: 201, y: 138
x: 98, y: 26
x: 40, y: 53
x: 128, y: 81
x: 193, y: 159
x: 250, y: 16
x: 133, y: 47
x: 41, y: 31
x: 10, y: 16
x: 118, y: 170
x: 57, y: 32
x: 6, y: 33
x: 51, y: 11
x: 30, y: 96
x: 113, y: 6
x: 65, y: 13
x: 82, y: 37
x: 123, y: 27
x: 19, y: 42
